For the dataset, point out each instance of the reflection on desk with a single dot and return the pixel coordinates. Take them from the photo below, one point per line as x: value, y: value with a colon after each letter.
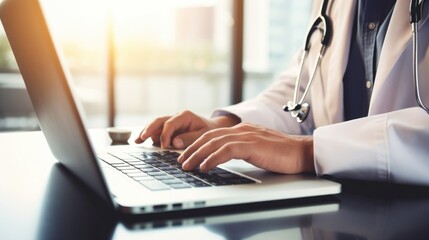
x: 285, y: 223
x: 356, y: 217
x: 42, y: 200
x: 72, y: 211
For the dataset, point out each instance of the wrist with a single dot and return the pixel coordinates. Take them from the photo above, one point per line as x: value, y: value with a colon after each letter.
x: 227, y: 120
x: 308, y: 156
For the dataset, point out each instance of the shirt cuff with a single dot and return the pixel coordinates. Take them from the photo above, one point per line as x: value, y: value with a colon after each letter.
x: 353, y: 149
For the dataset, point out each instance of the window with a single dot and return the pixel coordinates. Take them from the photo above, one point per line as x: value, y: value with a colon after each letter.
x: 168, y: 55
x: 171, y: 55
x: 16, y: 110
x: 274, y: 31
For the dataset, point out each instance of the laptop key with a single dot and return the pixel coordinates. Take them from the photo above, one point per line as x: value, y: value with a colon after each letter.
x: 160, y: 165
x: 133, y: 161
x: 137, y: 174
x: 179, y: 175
x: 188, y: 179
x: 179, y: 185
x: 149, y: 170
x: 171, y: 181
x: 239, y: 181
x: 170, y: 160
x: 141, y: 165
x: 116, y: 165
x: 167, y: 168
x: 227, y: 175
x: 175, y: 171
x: 176, y: 165
x: 218, y: 171
x: 163, y: 177
x: 142, y: 178
x: 150, y: 161
x: 126, y: 168
x: 156, y: 174
x: 155, y: 185
x: 199, y: 184
x: 110, y: 159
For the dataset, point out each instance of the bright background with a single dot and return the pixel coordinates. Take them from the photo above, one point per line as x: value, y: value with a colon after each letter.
x: 170, y: 55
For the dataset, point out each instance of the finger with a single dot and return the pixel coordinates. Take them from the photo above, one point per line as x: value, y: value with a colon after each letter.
x: 151, y: 129
x: 206, y: 137
x: 201, y: 141
x: 201, y: 154
x: 139, y: 139
x: 174, y: 125
x: 183, y: 140
x: 156, y: 138
x: 231, y: 150
x: 210, y: 147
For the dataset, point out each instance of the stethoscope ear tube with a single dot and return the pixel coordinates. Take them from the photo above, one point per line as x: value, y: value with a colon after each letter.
x: 327, y: 31
x: 416, y: 10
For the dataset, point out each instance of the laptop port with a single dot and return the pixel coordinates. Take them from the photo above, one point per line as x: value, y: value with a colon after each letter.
x: 160, y: 207
x: 177, y: 206
x: 200, y: 204
x: 199, y: 221
x: 177, y: 223
x: 161, y: 224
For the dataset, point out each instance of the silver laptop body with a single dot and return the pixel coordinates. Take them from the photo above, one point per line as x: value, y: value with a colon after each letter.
x: 59, y: 116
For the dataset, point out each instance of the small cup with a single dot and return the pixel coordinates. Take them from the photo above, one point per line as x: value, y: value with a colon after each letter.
x: 119, y: 135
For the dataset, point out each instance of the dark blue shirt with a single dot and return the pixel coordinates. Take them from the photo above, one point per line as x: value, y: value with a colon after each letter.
x: 369, y: 30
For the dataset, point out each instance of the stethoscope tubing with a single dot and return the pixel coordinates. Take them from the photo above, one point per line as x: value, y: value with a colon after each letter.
x: 313, y: 73
x: 299, y: 109
x: 416, y: 70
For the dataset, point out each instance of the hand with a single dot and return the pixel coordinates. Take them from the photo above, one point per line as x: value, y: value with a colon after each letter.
x: 182, y: 129
x: 264, y: 148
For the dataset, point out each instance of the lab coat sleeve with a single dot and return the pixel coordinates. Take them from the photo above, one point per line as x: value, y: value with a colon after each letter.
x: 391, y: 147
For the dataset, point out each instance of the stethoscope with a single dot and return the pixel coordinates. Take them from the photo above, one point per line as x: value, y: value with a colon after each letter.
x: 300, y: 109
x: 416, y: 12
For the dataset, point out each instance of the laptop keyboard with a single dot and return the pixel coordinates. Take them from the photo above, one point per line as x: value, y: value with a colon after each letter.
x: 160, y: 171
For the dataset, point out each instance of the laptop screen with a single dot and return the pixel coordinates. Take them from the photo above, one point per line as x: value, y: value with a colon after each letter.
x: 48, y: 86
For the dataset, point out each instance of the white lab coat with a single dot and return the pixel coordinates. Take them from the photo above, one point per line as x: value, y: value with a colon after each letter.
x: 392, y: 143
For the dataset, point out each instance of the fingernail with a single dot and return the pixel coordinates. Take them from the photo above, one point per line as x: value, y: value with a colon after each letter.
x: 180, y: 158
x: 178, y: 143
x: 203, y: 168
x: 185, y: 166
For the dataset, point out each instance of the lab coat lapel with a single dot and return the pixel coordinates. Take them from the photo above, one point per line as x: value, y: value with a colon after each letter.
x: 397, y: 38
x: 331, y: 111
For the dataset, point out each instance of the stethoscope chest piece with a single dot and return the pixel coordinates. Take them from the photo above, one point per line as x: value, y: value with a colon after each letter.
x: 298, y: 108
x: 298, y: 111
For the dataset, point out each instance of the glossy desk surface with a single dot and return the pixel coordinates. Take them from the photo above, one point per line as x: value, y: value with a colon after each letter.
x: 42, y: 200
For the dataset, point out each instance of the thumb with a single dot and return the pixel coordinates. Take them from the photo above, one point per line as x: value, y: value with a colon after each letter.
x: 183, y: 140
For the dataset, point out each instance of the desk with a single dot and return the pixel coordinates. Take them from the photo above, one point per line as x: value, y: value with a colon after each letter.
x: 42, y: 200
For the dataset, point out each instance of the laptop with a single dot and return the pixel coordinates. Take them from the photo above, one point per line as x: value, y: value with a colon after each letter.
x: 133, y: 180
